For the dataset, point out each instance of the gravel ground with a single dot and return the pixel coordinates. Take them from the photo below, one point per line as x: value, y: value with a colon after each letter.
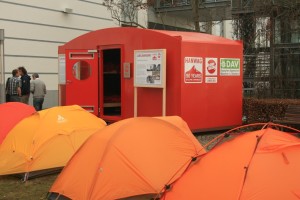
x: 204, y: 138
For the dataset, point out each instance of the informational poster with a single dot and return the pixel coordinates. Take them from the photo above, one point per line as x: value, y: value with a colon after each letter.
x: 230, y: 67
x: 211, y: 66
x: 193, y: 69
x: 150, y: 68
x: 62, y: 69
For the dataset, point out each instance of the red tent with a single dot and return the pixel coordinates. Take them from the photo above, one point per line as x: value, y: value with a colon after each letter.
x: 257, y: 165
x: 10, y: 114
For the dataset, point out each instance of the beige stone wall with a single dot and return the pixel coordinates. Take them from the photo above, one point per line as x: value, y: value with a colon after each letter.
x: 34, y: 29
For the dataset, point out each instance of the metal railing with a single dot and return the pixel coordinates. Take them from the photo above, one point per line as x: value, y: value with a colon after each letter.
x: 261, y: 82
x: 178, y: 3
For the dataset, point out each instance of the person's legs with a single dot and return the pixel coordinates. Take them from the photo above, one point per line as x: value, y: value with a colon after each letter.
x: 7, y: 98
x: 25, y: 99
x: 14, y: 98
x: 38, y: 103
x: 41, y: 104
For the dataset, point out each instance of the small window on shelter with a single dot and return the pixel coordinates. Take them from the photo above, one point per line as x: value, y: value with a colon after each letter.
x: 81, y: 70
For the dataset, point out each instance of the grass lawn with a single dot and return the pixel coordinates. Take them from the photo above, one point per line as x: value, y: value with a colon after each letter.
x: 13, y: 188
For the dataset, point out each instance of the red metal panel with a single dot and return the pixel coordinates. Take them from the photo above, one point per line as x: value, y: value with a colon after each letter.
x: 212, y: 105
x: 150, y: 99
x: 82, y: 90
x: 202, y: 105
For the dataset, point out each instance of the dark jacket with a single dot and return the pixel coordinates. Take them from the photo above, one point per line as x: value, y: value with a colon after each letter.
x: 25, y: 86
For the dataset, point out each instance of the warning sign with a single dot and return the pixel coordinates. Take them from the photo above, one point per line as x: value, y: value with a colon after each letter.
x: 193, y: 70
x: 230, y: 67
x: 211, y: 66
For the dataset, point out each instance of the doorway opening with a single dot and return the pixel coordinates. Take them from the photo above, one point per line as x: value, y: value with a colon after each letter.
x: 111, y: 82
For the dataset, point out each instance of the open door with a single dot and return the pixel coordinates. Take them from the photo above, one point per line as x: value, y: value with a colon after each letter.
x: 82, y: 79
x: 110, y: 84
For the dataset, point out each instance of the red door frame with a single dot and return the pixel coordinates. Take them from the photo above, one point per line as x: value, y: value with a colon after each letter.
x: 101, y: 91
x: 82, y: 92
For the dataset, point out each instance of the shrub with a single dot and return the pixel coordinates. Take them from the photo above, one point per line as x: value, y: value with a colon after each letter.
x: 265, y: 110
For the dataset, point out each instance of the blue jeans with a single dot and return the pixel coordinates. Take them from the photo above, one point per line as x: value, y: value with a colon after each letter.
x: 38, y: 103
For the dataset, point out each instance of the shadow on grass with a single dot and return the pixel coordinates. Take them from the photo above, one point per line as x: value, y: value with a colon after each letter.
x: 13, y: 188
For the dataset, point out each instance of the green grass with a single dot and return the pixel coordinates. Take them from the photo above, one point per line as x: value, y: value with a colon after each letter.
x: 13, y: 188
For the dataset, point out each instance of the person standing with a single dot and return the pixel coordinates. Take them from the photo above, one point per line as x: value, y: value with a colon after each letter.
x: 25, y: 88
x: 13, y: 87
x: 38, y: 89
x: 7, y: 95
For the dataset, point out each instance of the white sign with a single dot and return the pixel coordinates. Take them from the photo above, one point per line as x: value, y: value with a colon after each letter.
x: 230, y: 67
x: 62, y: 69
x: 149, y: 68
x: 211, y: 66
x: 211, y: 79
x: 193, y: 70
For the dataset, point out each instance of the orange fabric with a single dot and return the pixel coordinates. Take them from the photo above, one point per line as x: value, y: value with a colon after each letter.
x: 273, y: 170
x: 131, y: 157
x: 10, y: 114
x: 46, y: 139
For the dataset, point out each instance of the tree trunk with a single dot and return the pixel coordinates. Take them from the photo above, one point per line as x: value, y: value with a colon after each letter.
x: 195, y: 14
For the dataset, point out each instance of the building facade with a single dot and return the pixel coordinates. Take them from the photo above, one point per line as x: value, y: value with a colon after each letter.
x: 214, y: 16
x: 34, y: 29
x: 270, y: 31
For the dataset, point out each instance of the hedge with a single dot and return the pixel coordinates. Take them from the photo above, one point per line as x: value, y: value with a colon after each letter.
x: 265, y: 110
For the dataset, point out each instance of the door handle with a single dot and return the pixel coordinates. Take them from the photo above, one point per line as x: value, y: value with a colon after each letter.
x: 69, y: 81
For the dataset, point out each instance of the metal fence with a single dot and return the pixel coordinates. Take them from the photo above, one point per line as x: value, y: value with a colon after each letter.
x: 262, y: 79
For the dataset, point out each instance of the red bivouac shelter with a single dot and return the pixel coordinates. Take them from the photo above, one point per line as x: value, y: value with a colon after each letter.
x: 117, y: 73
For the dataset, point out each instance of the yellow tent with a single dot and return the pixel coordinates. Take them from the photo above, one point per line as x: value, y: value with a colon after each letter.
x: 46, y: 139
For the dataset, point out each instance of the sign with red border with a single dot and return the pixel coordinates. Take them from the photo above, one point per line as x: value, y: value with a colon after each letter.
x: 193, y: 69
x: 211, y: 66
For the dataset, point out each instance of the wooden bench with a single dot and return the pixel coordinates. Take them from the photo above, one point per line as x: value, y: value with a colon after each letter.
x: 291, y: 117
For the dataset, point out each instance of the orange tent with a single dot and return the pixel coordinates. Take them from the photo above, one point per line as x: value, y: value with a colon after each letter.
x: 132, y: 157
x: 257, y: 165
x: 46, y: 139
x: 10, y: 114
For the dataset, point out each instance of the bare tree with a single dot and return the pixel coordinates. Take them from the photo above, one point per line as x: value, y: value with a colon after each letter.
x: 195, y: 14
x: 126, y: 11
